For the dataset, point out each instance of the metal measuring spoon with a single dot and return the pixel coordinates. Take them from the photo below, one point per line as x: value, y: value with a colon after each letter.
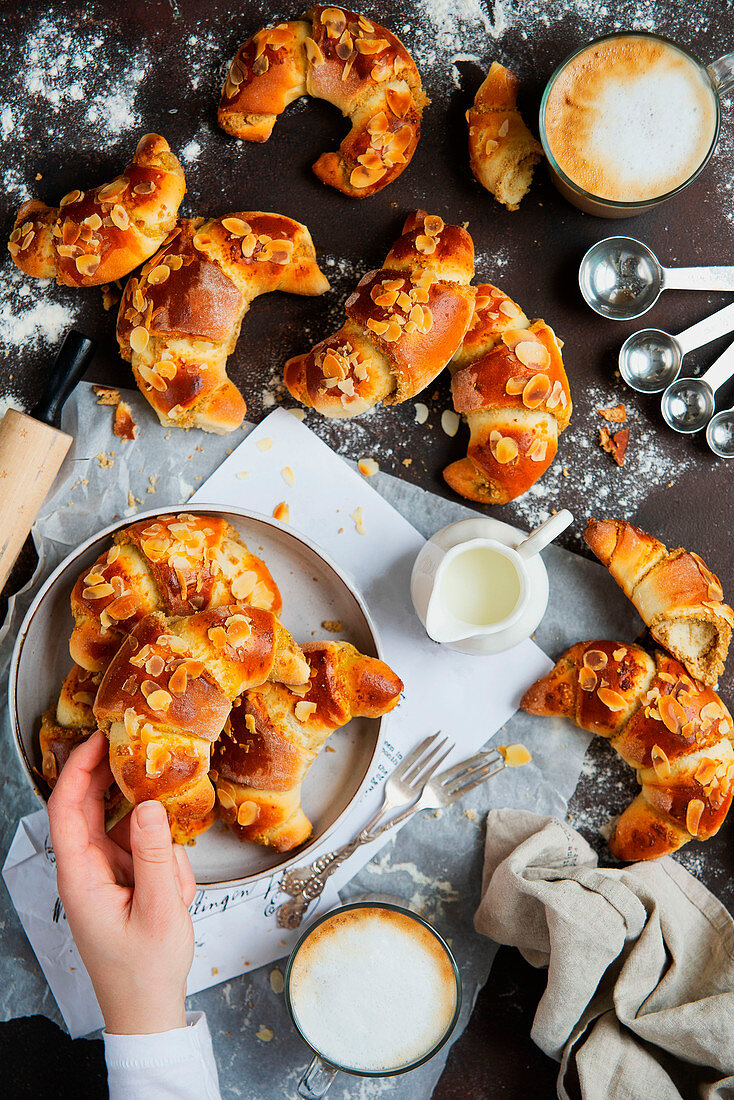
x: 649, y: 360
x: 720, y: 433
x: 621, y: 278
x: 689, y: 403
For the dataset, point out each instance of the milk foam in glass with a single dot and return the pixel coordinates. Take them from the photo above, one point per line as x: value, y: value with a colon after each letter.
x: 630, y: 118
x: 373, y: 990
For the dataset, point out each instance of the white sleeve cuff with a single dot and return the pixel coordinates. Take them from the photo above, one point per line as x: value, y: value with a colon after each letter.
x: 172, y: 1065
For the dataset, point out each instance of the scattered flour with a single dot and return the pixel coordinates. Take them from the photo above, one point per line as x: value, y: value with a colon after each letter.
x: 29, y: 315
x: 190, y: 151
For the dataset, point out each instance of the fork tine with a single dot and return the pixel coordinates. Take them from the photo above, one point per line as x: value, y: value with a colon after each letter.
x: 413, y: 757
x: 478, y: 778
x: 429, y: 771
x: 487, y: 757
x: 413, y: 772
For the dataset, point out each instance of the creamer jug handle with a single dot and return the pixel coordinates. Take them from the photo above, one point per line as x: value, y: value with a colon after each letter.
x: 538, y: 539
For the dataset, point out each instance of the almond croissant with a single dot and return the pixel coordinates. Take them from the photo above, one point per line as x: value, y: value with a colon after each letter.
x: 168, y: 692
x: 673, y: 730
x: 348, y: 60
x: 675, y: 592
x: 275, y: 733
x: 403, y: 324
x: 180, y: 318
x: 100, y: 235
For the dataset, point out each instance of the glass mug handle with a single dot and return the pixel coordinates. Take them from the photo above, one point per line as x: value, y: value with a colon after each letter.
x: 316, y: 1080
x: 721, y: 72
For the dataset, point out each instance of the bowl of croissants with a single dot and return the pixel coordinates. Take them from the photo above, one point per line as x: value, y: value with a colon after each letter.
x: 220, y: 652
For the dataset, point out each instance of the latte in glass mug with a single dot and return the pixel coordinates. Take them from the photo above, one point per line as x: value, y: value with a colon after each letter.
x: 630, y: 118
x: 373, y: 990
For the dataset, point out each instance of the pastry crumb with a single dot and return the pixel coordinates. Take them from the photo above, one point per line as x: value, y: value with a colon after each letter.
x: 617, y: 414
x: 107, y: 395
x: 334, y: 626
x: 615, y: 443
x: 106, y: 461
x: 124, y: 426
x: 152, y: 480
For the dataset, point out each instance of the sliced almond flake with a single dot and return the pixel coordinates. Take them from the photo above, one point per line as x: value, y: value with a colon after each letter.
x: 368, y: 467
x: 450, y: 422
x: 421, y: 412
x: 298, y: 413
x: 282, y: 512
x: 358, y: 517
x: 515, y: 755
x: 288, y: 476
x: 242, y: 474
x: 265, y: 1034
x: 277, y: 982
x: 264, y: 444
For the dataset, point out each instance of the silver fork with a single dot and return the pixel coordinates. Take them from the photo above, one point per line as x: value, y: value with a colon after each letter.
x: 437, y: 793
x: 402, y: 787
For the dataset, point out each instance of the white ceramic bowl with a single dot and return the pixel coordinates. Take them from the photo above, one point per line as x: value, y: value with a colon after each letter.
x: 314, y: 590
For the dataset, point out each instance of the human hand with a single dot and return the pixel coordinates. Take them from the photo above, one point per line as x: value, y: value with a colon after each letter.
x: 126, y: 897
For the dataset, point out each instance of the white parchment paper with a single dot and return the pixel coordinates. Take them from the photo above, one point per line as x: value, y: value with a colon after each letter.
x: 433, y: 864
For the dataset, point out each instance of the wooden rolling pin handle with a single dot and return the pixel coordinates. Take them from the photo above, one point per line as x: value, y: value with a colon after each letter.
x: 32, y: 449
x: 31, y: 454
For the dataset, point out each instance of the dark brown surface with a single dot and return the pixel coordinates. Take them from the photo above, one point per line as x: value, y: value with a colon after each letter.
x: 539, y: 249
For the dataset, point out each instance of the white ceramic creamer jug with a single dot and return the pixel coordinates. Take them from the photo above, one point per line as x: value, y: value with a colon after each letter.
x: 480, y: 585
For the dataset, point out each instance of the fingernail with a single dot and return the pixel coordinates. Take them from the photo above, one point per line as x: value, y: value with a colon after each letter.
x: 150, y: 815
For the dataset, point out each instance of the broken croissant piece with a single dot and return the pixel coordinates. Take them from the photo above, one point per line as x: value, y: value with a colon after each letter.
x: 275, y: 733
x: 674, y: 731
x: 100, y: 235
x: 179, y: 320
x: 510, y: 383
x: 502, y: 150
x: 177, y: 564
x: 168, y: 692
x: 348, y: 60
x: 403, y: 324
x: 676, y: 594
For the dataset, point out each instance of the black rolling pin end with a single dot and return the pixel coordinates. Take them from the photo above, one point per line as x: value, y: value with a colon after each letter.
x: 72, y: 360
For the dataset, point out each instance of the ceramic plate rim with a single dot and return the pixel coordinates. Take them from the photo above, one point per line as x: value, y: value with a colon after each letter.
x: 302, y: 854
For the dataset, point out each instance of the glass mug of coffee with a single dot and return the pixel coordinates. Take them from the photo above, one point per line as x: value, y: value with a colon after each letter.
x: 629, y: 120
x: 374, y: 991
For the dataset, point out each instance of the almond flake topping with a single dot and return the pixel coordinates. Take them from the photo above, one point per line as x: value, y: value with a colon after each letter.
x: 660, y: 762
x: 694, y: 812
x: 611, y: 699
x: 304, y: 709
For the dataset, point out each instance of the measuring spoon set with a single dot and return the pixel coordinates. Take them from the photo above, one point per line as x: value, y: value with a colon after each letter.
x: 621, y: 279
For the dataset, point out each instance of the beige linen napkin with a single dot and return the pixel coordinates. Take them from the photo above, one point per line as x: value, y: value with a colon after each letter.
x: 640, y: 993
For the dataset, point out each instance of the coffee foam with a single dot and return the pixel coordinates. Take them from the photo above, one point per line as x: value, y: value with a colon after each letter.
x: 630, y: 119
x: 372, y: 990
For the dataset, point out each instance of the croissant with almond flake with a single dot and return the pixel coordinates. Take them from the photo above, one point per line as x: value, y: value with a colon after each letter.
x: 177, y: 564
x: 180, y: 318
x: 502, y: 150
x: 100, y: 235
x: 72, y: 721
x: 675, y: 732
x: 510, y: 383
x: 348, y: 60
x: 403, y: 324
x: 676, y: 594
x: 275, y: 733
x: 168, y: 692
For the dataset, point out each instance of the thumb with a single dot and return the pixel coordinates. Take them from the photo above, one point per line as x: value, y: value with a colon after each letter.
x: 152, y: 854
